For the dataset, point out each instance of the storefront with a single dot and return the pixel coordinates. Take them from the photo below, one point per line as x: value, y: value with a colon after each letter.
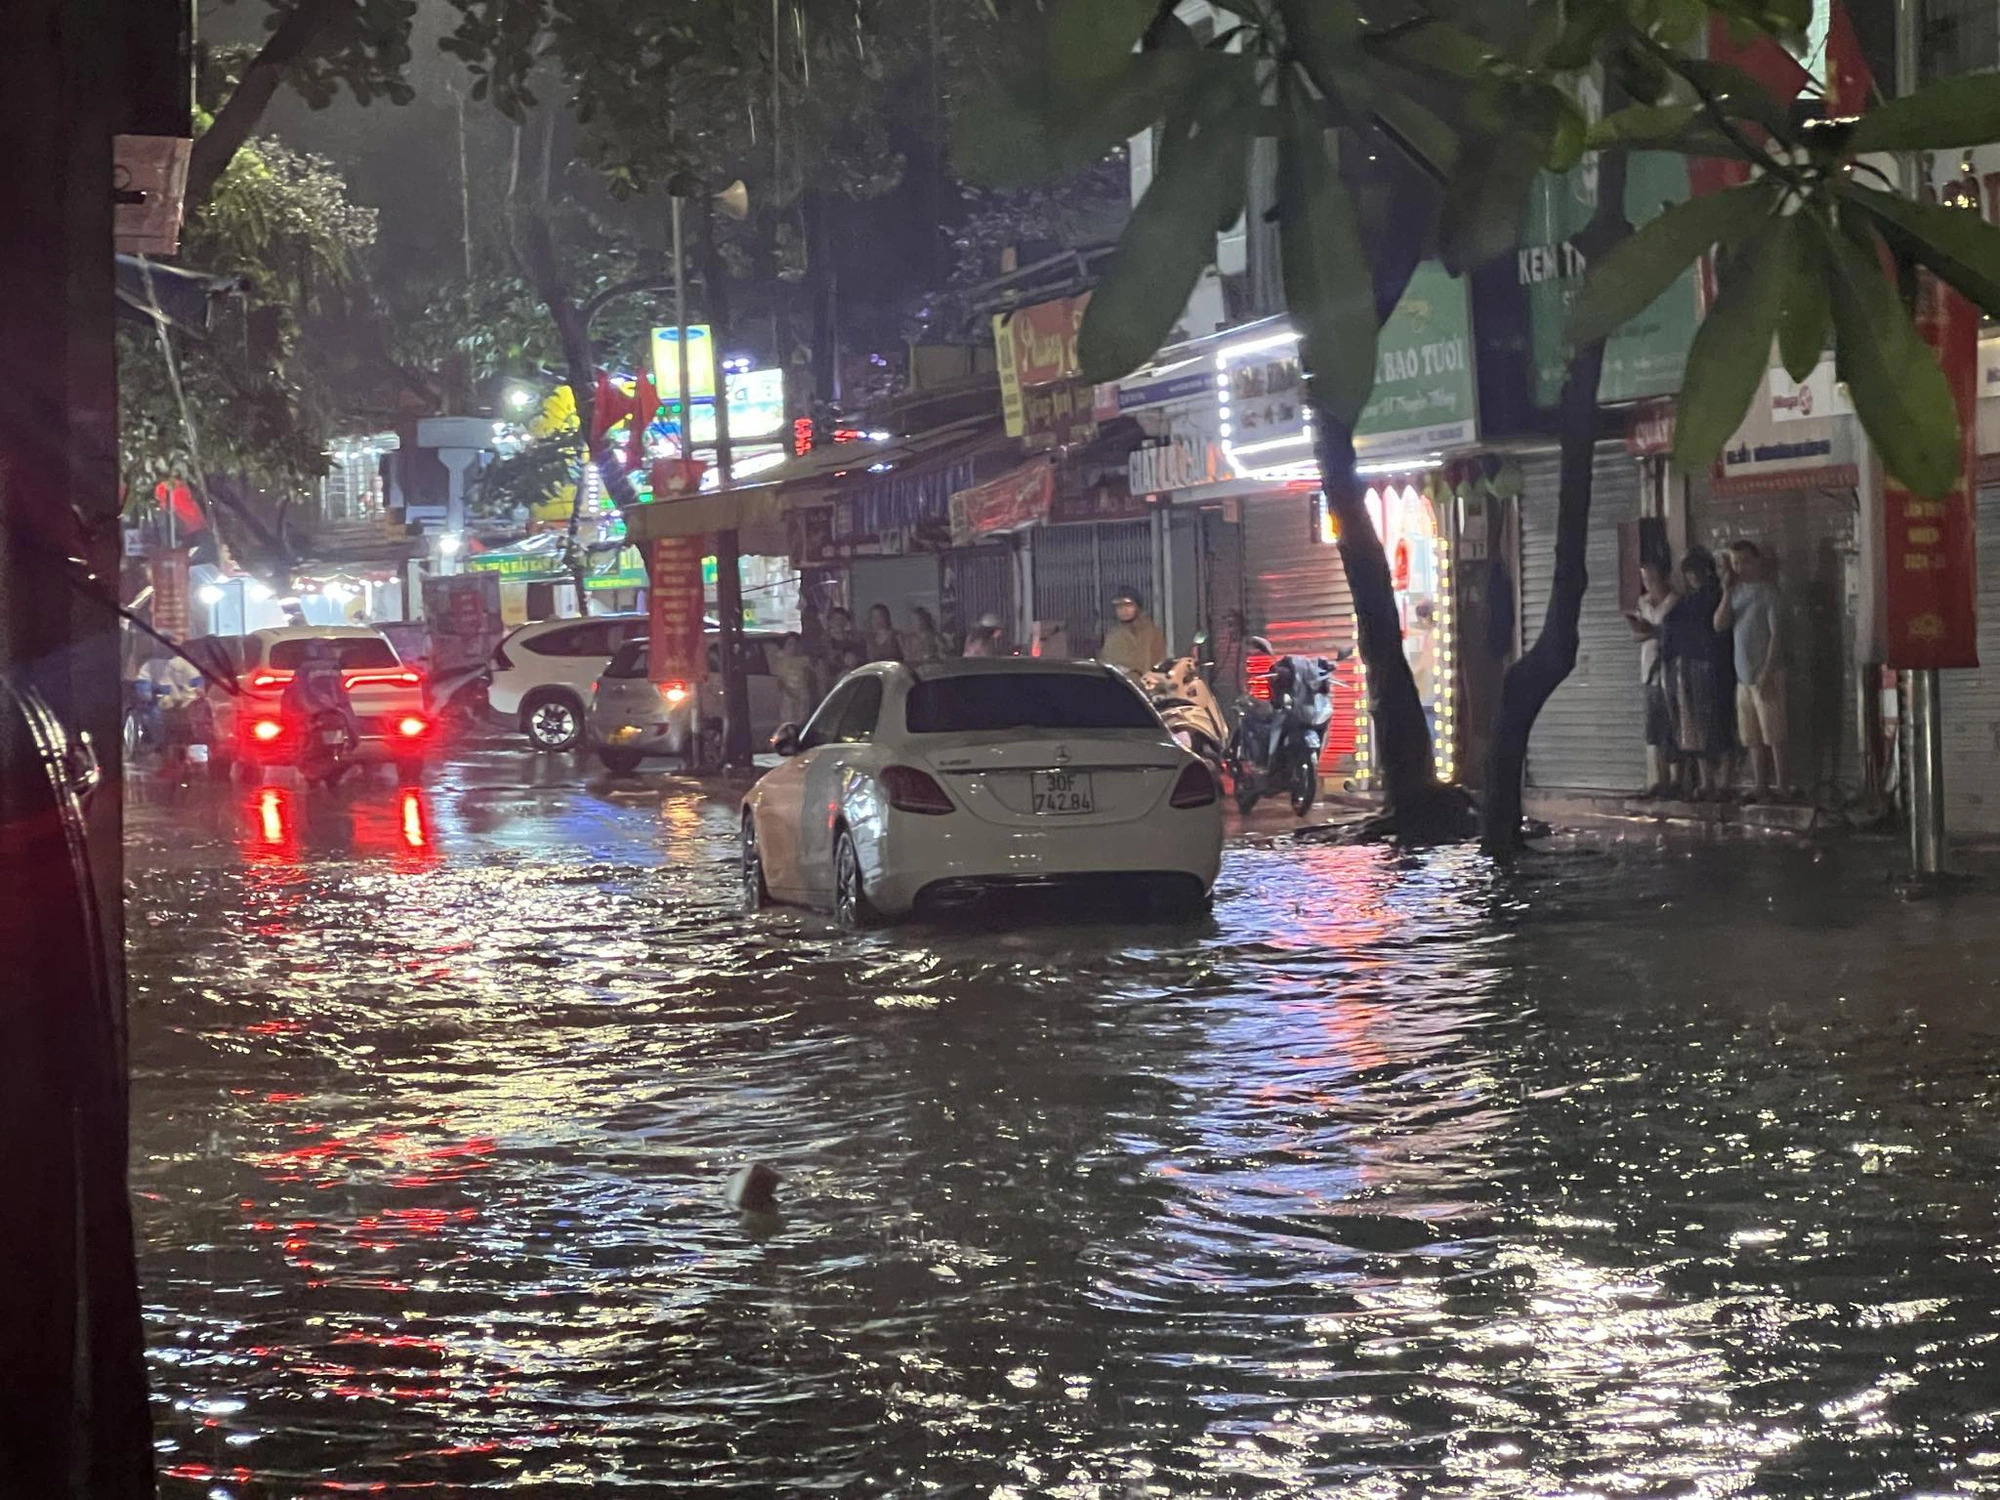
x: 1787, y: 481
x: 1971, y: 698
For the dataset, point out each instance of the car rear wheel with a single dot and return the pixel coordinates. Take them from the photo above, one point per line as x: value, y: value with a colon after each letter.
x: 620, y: 762
x: 756, y: 895
x: 552, y: 721
x: 852, y: 909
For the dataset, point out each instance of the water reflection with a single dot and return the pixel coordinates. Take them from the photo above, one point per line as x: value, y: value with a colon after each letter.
x: 1640, y: 1174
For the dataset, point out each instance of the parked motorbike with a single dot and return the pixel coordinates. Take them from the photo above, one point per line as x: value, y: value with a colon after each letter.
x: 326, y: 748
x: 1276, y: 745
x: 1189, y: 708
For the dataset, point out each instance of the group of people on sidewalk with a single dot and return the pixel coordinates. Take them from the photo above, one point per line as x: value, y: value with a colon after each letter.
x: 1712, y: 667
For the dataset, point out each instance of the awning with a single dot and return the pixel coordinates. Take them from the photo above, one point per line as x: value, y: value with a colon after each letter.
x: 540, y: 559
x: 758, y: 509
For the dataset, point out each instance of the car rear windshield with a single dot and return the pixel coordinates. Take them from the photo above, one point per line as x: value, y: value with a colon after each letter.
x: 630, y: 660
x: 1025, y: 700
x: 357, y: 652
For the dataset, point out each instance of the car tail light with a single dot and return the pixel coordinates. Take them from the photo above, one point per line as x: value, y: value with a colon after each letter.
x: 676, y: 693
x: 910, y: 790
x: 1196, y: 788
x: 404, y: 678
x: 269, y: 677
x: 410, y: 726
x: 266, y: 730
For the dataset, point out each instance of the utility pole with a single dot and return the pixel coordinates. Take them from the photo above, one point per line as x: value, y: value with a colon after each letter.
x: 77, y: 73
x: 1923, y: 730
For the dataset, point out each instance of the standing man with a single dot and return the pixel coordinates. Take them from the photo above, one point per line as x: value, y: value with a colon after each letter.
x: 1749, y: 610
x: 1133, y: 642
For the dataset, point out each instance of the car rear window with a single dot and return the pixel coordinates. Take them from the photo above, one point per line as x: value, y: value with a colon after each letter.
x: 630, y: 660
x: 1025, y: 700
x: 356, y: 653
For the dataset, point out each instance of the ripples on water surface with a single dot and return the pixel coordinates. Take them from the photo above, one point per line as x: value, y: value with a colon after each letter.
x: 1657, y: 1172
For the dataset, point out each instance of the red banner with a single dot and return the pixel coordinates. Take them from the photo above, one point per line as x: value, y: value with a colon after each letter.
x: 1931, y: 552
x: 170, y: 593
x: 676, y: 606
x: 1017, y: 498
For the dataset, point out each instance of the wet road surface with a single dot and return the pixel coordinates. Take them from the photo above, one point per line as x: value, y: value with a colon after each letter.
x: 1655, y: 1169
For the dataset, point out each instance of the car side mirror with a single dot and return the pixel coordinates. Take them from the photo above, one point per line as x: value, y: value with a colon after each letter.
x: 786, y: 741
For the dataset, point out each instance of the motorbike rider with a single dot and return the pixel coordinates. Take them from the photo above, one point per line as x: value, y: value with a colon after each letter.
x: 1133, y: 641
x: 318, y: 687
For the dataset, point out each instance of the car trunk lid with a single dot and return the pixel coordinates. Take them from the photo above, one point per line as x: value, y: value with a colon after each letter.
x: 1039, y: 777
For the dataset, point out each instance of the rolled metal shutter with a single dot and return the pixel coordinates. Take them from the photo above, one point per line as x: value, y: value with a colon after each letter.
x: 1809, y: 536
x: 1077, y: 567
x: 984, y: 578
x: 1971, y: 699
x: 1591, y: 734
x: 1296, y: 596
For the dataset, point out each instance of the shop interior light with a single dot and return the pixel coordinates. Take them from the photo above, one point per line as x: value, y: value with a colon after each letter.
x: 1400, y: 466
x: 1284, y: 338
x: 520, y: 397
x: 210, y: 594
x: 449, y: 543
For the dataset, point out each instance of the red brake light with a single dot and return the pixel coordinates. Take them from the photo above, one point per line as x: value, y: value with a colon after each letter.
x: 1196, y: 788
x: 410, y: 726
x: 269, y: 677
x: 406, y: 677
x: 910, y: 790
x: 676, y: 693
x: 266, y: 730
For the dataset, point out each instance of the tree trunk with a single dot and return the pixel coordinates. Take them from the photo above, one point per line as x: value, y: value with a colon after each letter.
x: 534, y: 247
x: 217, y: 146
x: 1403, y: 751
x: 1532, y: 680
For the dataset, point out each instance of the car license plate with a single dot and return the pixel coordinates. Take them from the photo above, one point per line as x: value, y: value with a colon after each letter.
x: 1062, y: 793
x: 332, y: 737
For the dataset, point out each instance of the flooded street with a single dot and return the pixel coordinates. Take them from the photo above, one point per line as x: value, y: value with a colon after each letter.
x: 1653, y: 1169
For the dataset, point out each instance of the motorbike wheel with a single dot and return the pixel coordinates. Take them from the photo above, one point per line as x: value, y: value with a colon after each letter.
x: 1305, y: 787
x: 1246, y: 799
x: 220, y: 764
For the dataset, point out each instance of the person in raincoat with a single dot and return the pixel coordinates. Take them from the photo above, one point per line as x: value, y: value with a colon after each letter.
x: 1133, y: 642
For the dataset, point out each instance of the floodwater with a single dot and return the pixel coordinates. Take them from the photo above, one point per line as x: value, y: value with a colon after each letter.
x: 1654, y: 1169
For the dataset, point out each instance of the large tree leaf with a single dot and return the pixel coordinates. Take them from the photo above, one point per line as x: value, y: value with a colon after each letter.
x: 1027, y: 130
x: 1628, y: 280
x: 1807, y: 310
x: 1732, y: 350
x: 1434, y: 48
x: 1900, y: 394
x: 1327, y: 280
x: 1170, y: 238
x: 1957, y: 244
x: 1088, y: 38
x: 1943, y: 116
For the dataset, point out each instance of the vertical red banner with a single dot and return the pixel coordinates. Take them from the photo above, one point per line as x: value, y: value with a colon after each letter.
x: 676, y: 606
x: 1931, y: 551
x: 170, y: 593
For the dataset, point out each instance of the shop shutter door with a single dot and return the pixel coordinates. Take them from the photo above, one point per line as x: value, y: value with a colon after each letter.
x: 1809, y: 535
x: 1971, y: 700
x: 1592, y: 733
x: 1296, y: 596
x: 984, y: 580
x: 1077, y: 567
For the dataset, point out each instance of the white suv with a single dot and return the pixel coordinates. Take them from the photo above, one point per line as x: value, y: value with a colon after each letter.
x: 543, y: 674
x: 247, y: 728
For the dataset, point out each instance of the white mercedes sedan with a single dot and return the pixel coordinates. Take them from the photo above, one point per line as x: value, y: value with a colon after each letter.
x: 934, y: 786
